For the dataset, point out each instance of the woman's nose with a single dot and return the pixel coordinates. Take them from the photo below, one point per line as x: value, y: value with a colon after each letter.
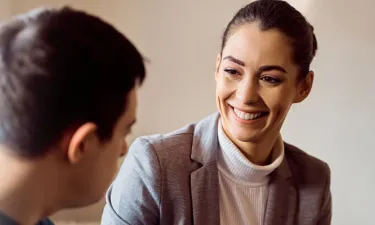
x: 247, y: 91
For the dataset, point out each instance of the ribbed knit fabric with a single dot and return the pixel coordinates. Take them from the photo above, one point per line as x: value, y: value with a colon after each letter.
x: 243, y: 185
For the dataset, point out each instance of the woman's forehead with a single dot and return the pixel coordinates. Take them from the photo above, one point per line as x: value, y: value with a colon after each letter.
x: 252, y: 45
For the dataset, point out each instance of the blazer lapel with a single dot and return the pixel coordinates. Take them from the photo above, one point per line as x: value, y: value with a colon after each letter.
x: 205, y: 195
x: 204, y: 181
x: 282, y: 197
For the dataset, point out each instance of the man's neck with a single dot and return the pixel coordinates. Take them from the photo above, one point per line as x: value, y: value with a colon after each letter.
x: 26, y: 192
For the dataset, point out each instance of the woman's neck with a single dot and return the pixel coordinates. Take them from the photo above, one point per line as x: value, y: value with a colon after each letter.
x: 259, y: 152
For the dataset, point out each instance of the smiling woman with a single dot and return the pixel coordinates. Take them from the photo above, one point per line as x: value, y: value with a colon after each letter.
x: 233, y: 167
x: 257, y: 82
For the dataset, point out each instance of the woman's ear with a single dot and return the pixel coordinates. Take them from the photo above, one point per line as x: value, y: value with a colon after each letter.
x: 304, y: 87
x: 80, y: 142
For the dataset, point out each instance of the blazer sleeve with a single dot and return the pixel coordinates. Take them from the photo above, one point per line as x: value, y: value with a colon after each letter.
x: 134, y: 196
x: 326, y: 210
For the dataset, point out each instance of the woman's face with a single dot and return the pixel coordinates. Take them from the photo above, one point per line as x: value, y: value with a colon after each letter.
x: 257, y: 83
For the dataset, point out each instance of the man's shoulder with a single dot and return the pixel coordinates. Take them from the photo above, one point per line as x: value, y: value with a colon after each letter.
x: 45, y: 221
x: 6, y: 220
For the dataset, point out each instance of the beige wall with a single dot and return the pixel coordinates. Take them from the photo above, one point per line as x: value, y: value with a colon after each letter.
x: 182, y: 38
x: 5, y: 11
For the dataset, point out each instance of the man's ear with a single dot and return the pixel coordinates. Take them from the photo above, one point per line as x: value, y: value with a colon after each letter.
x: 304, y: 87
x: 79, y: 142
x: 218, y: 62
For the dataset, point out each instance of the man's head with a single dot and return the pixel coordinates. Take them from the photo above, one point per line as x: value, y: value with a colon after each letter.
x: 68, y: 93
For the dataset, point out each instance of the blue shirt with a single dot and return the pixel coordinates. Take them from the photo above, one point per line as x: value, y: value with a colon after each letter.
x: 6, y: 220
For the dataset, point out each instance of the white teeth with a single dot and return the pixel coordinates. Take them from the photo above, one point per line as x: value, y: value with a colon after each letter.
x: 245, y: 115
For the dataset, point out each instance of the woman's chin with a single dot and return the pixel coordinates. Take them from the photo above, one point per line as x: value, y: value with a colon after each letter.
x: 242, y: 135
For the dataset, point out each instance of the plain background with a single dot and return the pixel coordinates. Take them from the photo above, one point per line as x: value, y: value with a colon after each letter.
x: 182, y: 38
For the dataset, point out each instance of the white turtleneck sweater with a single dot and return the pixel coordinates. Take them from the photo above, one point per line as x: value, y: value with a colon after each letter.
x: 243, y: 185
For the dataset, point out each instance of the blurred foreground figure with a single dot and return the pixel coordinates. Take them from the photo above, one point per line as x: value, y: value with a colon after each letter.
x: 68, y: 83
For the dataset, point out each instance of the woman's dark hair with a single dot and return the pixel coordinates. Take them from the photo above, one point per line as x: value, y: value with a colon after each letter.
x: 276, y: 14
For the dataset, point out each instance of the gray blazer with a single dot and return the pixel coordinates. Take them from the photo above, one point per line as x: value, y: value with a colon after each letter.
x: 173, y: 179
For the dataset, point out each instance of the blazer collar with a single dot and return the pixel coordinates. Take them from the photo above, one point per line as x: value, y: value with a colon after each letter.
x: 204, y: 181
x: 205, y: 145
x: 205, y: 140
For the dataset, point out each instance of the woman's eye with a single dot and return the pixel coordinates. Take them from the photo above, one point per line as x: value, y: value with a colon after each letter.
x: 270, y: 80
x: 231, y: 71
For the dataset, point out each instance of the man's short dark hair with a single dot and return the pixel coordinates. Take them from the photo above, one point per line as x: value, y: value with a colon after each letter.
x: 60, y: 68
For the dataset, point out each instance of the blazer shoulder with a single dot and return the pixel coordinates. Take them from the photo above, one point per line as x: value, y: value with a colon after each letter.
x: 306, y: 167
x: 181, y: 140
x: 182, y: 137
x: 172, y: 149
